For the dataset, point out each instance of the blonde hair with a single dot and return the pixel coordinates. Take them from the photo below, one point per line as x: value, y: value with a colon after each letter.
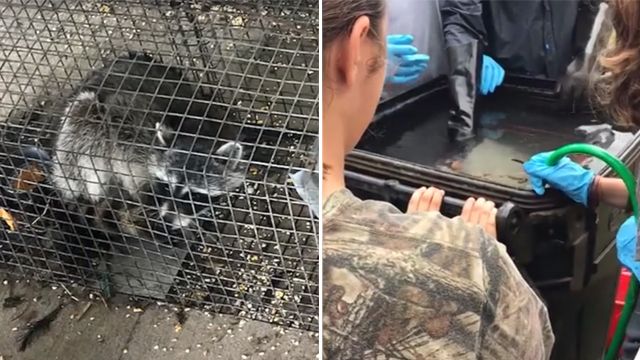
x: 619, y: 90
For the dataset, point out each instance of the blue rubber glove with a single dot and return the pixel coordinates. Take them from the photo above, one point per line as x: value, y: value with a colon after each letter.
x: 492, y: 75
x: 566, y: 176
x: 408, y: 64
x: 626, y: 245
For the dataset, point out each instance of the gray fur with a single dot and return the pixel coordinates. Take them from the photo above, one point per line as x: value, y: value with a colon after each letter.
x: 112, y: 140
x: 92, y: 155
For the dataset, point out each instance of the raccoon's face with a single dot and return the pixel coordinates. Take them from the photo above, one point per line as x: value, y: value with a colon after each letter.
x: 227, y: 172
x: 210, y: 175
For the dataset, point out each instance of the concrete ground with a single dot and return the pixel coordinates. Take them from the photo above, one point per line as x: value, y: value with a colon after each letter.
x: 86, y: 329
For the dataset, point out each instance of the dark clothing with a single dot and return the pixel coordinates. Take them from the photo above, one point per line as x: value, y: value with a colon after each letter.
x: 464, y: 36
x: 632, y: 339
x: 464, y: 73
x: 537, y: 38
x: 462, y: 22
x: 526, y: 37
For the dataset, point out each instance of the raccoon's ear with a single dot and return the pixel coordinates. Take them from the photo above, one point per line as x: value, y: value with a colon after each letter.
x: 232, y: 153
x: 98, y: 110
x: 163, y: 134
x: 84, y: 98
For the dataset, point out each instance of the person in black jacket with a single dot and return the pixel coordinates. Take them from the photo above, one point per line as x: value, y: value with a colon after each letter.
x: 535, y: 38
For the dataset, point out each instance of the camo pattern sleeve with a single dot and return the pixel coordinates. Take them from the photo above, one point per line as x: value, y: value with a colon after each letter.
x: 422, y: 286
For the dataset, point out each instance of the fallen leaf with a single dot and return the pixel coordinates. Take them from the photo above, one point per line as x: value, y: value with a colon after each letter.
x: 29, y: 177
x: 456, y: 165
x: 105, y: 9
x: 8, y: 219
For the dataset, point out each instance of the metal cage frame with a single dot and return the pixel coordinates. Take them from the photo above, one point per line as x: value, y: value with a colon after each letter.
x: 252, y: 68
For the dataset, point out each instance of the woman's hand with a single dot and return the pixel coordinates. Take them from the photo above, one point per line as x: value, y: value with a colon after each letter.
x: 475, y: 212
x: 480, y: 212
x: 425, y: 200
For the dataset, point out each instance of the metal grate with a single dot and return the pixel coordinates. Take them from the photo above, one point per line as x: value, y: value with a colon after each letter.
x: 147, y: 147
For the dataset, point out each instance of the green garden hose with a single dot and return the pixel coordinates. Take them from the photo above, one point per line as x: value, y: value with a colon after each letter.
x: 629, y: 181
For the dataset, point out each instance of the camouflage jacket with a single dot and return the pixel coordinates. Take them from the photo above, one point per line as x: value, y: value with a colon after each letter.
x: 422, y: 286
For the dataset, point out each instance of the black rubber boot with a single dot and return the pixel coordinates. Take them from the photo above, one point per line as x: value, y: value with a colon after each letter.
x: 464, y: 73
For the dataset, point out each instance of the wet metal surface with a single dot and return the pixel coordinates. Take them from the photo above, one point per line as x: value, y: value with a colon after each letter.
x: 511, y: 128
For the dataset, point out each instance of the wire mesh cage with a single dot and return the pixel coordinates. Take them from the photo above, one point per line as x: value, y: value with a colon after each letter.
x: 148, y: 146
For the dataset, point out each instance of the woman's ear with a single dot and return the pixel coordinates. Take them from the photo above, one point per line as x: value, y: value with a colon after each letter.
x: 356, y: 43
x: 352, y: 49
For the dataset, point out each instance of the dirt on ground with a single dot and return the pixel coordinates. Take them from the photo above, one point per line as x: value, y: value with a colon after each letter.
x: 86, y: 327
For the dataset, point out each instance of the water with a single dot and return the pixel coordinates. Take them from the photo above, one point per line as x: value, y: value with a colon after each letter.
x: 511, y: 129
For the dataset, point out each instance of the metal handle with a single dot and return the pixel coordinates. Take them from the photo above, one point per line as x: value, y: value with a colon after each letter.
x: 508, y: 218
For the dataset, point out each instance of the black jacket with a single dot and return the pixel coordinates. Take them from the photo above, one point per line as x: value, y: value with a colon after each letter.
x: 526, y: 37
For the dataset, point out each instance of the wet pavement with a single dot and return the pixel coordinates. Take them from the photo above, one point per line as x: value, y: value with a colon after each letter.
x: 86, y: 329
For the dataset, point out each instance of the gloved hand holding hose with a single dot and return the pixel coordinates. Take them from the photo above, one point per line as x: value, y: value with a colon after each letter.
x: 566, y: 176
x: 588, y: 189
x: 409, y: 64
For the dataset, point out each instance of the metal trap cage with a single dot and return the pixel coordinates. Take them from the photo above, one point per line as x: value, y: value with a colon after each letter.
x: 148, y: 146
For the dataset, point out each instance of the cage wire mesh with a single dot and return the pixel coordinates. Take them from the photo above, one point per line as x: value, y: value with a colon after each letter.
x: 147, y: 148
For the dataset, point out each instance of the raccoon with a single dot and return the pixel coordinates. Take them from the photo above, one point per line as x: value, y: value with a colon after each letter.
x: 134, y: 124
